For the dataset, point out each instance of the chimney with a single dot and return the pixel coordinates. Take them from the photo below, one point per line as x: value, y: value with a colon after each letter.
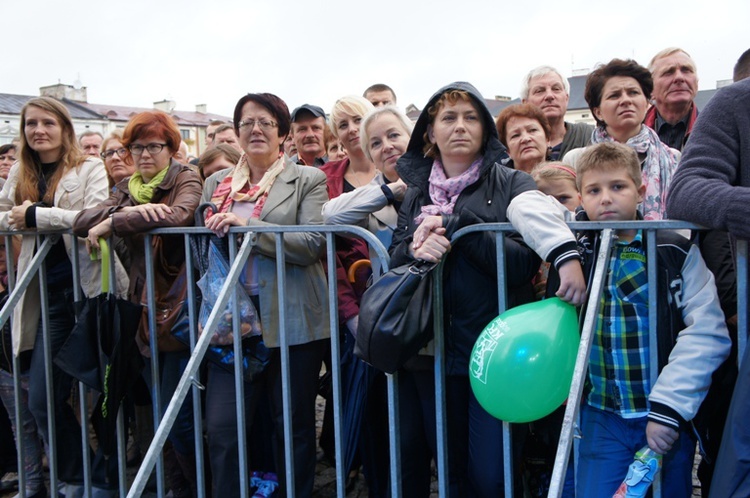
x: 502, y: 98
x: 61, y: 91
x: 165, y: 105
x: 581, y: 72
x: 201, y: 108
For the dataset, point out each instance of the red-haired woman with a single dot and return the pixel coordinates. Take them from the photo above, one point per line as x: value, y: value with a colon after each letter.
x: 525, y: 131
x: 51, y: 182
x: 161, y: 193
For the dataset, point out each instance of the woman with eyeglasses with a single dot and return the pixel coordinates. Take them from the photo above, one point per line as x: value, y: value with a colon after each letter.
x: 266, y: 188
x: 160, y: 193
x: 51, y: 182
x: 114, y: 155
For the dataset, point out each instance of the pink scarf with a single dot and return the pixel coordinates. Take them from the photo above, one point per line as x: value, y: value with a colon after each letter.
x: 656, y: 171
x: 444, y: 191
x: 236, y: 187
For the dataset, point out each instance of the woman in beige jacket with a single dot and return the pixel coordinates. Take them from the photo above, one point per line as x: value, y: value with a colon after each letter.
x: 266, y: 188
x: 51, y: 182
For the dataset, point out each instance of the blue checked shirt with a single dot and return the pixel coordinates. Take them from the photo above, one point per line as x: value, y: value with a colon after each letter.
x: 619, y: 363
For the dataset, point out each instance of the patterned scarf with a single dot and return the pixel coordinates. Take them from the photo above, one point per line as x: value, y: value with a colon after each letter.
x: 144, y: 192
x: 236, y: 187
x: 657, y: 169
x: 444, y: 191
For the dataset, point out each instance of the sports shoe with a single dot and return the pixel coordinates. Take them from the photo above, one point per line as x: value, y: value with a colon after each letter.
x: 267, y: 487
x: 255, y: 479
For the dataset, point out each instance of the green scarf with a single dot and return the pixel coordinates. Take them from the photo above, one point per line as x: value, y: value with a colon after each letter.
x: 143, y: 192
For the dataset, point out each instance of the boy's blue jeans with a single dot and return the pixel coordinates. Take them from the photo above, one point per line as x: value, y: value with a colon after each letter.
x: 608, y: 446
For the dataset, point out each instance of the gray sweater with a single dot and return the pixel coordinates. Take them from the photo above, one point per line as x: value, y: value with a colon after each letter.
x: 712, y: 183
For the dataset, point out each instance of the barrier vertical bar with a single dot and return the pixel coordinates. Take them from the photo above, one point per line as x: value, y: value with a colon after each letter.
x: 441, y: 425
x: 120, y: 421
x: 83, y: 390
x: 285, y: 372
x: 200, y: 479
x: 239, y: 381
x: 581, y: 366
x: 20, y: 451
x: 51, y: 427
x: 502, y: 304
x: 742, y: 299
x: 333, y: 319
x: 653, y: 324
x: 153, y: 345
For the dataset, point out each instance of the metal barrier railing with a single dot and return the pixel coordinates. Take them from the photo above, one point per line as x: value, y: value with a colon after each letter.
x: 200, y: 344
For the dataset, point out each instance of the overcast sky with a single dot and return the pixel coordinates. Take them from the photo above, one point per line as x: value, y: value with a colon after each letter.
x: 213, y: 52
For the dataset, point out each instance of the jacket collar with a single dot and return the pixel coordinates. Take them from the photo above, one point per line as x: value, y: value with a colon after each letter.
x: 283, y: 187
x: 166, y: 184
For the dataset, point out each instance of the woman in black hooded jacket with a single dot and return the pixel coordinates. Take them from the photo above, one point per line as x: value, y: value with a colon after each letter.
x: 455, y: 179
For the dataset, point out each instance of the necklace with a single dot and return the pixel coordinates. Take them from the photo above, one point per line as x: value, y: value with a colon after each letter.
x: 355, y: 177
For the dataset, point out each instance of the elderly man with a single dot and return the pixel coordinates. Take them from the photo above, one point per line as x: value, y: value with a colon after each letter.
x: 91, y: 143
x: 308, y: 133
x: 545, y: 88
x: 673, y: 113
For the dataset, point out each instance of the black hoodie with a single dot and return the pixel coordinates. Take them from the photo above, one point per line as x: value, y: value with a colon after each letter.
x: 470, y: 277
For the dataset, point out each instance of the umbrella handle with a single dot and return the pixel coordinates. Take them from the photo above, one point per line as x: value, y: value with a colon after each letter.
x: 104, y: 253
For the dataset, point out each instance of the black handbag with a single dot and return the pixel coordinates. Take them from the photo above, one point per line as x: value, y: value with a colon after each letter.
x: 395, y: 317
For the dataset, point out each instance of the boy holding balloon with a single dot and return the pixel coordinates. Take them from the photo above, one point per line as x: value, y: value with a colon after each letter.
x: 622, y: 411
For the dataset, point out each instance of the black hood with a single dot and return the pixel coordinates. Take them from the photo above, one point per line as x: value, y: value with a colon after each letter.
x: 414, y: 160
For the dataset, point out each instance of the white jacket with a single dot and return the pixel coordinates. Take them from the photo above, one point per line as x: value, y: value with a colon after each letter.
x: 80, y: 188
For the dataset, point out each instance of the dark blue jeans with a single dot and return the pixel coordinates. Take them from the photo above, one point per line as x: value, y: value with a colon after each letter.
x: 475, y: 445
x: 69, y: 455
x: 172, y: 365
x: 305, y: 361
x: 608, y: 447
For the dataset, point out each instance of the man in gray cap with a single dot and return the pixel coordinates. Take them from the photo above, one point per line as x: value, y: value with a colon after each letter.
x: 308, y: 132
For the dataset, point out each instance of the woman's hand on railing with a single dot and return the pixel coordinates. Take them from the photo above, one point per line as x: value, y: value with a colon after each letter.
x: 429, y: 224
x: 220, y: 223
x: 149, y: 211
x: 17, y: 217
x: 572, y: 284
x: 433, y: 248
x: 103, y: 229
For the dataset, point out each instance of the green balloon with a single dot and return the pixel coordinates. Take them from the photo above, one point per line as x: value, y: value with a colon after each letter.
x: 522, y: 364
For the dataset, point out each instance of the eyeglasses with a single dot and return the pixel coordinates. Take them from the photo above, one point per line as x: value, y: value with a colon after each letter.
x: 109, y: 153
x: 137, y: 149
x: 263, y: 124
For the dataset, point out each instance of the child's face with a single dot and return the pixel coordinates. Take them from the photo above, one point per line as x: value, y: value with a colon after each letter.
x: 563, y: 190
x: 610, y: 195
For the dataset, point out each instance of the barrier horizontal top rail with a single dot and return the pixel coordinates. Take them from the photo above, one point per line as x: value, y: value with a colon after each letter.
x: 589, y: 225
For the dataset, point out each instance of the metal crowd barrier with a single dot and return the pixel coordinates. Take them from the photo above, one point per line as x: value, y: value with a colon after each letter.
x: 199, y: 345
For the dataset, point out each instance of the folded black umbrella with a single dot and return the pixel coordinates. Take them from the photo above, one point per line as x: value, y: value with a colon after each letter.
x: 102, y: 353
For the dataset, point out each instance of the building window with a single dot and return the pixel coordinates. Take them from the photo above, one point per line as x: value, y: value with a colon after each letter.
x: 185, y: 134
